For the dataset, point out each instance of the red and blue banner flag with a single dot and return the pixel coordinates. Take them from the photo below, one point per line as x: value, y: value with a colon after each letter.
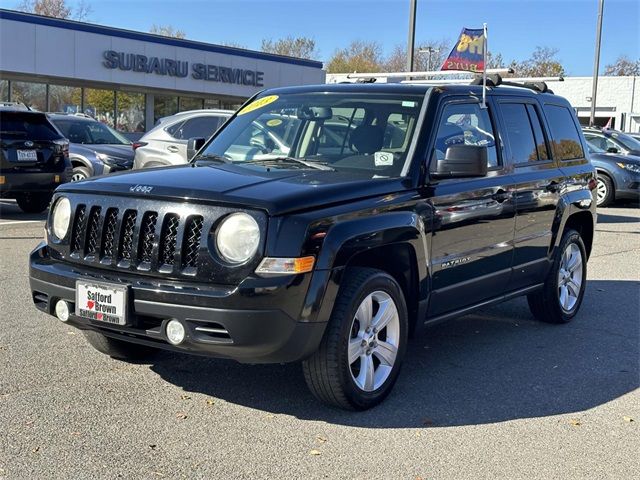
x: 468, y: 52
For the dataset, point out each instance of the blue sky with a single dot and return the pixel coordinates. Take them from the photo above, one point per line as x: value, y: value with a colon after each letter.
x: 516, y: 27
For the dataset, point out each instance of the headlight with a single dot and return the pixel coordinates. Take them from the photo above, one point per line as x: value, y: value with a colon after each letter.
x: 238, y: 238
x: 632, y: 167
x: 61, y: 218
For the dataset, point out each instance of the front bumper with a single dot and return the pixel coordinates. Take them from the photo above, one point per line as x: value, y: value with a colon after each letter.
x: 17, y: 182
x: 248, y: 327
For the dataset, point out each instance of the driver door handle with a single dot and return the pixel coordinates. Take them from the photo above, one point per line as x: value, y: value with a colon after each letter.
x: 172, y: 148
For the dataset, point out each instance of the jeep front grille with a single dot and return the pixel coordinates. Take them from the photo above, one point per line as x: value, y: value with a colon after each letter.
x: 165, y: 242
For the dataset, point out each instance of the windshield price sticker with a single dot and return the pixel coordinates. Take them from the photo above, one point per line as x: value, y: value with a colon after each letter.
x: 259, y: 103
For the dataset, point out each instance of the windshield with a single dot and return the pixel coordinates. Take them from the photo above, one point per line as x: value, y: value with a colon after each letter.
x: 355, y: 132
x: 89, y: 132
x: 626, y: 140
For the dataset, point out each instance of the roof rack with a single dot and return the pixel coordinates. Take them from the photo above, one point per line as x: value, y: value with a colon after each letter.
x: 16, y: 105
x: 416, y: 75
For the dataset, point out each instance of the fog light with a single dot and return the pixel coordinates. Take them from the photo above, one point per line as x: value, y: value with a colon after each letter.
x: 175, y: 332
x: 62, y: 310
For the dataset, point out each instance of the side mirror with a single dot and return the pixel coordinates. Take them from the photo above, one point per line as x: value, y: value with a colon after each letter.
x: 193, y: 145
x: 612, y: 150
x: 462, y: 161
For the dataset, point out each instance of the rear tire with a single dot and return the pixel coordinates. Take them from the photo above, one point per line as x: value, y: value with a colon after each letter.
x: 563, y: 291
x: 34, y: 202
x: 359, y: 357
x: 605, y: 191
x: 118, y: 349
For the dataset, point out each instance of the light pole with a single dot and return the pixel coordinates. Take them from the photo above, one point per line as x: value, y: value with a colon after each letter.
x: 430, y: 51
x: 596, y: 64
x: 412, y: 34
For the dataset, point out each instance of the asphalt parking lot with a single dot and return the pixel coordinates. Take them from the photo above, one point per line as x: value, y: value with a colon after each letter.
x: 490, y: 395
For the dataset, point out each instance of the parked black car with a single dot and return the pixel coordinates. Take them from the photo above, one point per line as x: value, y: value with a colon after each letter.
x: 96, y: 149
x: 618, y: 175
x: 34, y: 157
x: 330, y: 256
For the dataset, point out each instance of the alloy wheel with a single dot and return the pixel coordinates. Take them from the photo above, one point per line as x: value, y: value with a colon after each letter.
x: 570, y: 277
x: 601, y: 191
x: 374, y: 341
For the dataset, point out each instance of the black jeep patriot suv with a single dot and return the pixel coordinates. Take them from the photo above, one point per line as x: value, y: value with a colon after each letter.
x: 389, y: 206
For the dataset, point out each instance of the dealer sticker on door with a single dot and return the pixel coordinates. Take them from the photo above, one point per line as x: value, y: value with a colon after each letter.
x: 102, y: 302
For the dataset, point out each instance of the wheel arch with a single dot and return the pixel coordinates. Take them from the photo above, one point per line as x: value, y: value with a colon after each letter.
x: 77, y: 161
x: 576, y: 210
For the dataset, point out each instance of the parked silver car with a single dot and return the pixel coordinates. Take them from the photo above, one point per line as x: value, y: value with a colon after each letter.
x: 166, y: 143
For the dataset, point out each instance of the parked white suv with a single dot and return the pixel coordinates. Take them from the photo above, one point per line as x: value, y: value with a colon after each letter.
x: 166, y: 143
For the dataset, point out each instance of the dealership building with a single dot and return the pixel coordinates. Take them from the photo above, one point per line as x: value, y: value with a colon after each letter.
x: 130, y: 79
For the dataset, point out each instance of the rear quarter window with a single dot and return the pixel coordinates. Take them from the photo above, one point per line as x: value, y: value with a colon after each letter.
x: 565, y: 137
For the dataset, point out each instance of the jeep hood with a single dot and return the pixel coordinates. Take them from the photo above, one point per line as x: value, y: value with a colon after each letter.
x: 276, y: 191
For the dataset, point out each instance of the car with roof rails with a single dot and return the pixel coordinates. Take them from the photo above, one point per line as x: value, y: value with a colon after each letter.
x: 94, y: 148
x: 34, y: 157
x: 166, y: 143
x: 430, y: 206
x: 612, y: 141
x: 618, y: 175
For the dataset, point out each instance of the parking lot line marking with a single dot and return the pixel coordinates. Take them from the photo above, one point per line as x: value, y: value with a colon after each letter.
x: 21, y: 222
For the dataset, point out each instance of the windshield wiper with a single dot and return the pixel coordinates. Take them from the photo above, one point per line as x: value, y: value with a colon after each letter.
x: 211, y: 157
x: 284, y: 159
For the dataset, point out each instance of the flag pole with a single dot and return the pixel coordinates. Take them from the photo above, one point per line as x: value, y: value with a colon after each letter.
x: 484, y: 68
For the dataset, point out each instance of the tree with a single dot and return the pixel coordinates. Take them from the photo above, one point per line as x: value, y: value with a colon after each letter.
x: 56, y: 8
x: 359, y: 56
x: 233, y: 44
x: 167, y: 31
x: 301, y: 47
x: 428, y: 56
x: 542, y: 63
x: 623, y: 66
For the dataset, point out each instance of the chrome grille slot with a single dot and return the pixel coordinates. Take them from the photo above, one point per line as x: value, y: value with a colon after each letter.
x: 168, y: 240
x: 147, y: 234
x: 93, y: 225
x: 126, y: 239
x: 191, y: 244
x: 109, y: 232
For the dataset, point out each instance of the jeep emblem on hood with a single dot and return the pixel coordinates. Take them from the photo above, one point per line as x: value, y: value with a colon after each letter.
x: 141, y: 189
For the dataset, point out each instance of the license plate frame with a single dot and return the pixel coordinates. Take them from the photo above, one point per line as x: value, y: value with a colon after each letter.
x: 27, y: 155
x: 108, y: 305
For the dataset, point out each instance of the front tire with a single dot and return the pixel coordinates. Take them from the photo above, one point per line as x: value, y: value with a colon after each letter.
x: 80, y: 173
x: 34, y: 202
x: 359, y: 357
x: 605, y: 191
x: 118, y: 349
x: 563, y: 291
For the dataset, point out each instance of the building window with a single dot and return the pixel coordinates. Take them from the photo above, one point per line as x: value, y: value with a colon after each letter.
x: 100, y: 104
x: 34, y: 95
x: 4, y: 90
x: 130, y: 112
x: 163, y: 106
x: 65, y: 99
x: 189, y: 103
x: 212, y: 103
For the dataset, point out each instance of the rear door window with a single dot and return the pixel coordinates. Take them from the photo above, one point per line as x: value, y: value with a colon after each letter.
x: 566, y: 139
x: 204, y: 126
x: 519, y: 132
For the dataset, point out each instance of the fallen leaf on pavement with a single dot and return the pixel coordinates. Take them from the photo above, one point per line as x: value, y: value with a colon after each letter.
x: 210, y: 401
x: 321, y: 439
x: 35, y: 449
x: 270, y: 415
x: 181, y: 415
x: 575, y: 422
x: 627, y: 419
x: 152, y: 446
x: 185, y: 397
x: 315, y: 452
